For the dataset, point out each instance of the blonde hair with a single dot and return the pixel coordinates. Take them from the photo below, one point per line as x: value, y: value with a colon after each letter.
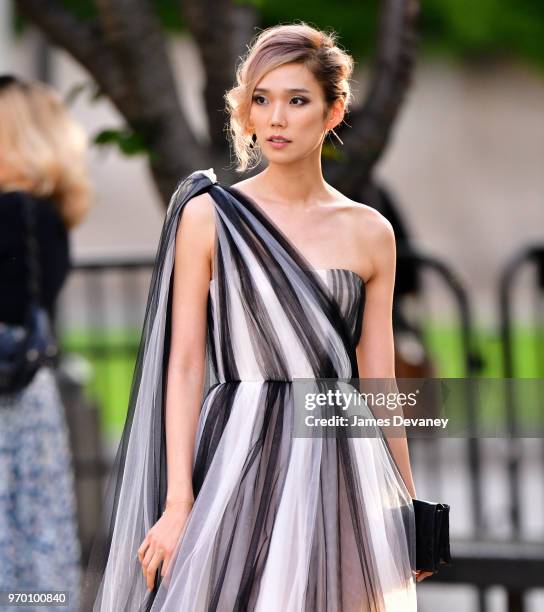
x: 281, y: 44
x: 42, y: 148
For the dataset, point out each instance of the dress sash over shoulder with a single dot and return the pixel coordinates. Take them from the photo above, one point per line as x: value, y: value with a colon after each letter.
x: 281, y: 522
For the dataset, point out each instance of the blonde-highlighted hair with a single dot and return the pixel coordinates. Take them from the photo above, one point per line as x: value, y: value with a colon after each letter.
x: 42, y: 148
x: 282, y: 44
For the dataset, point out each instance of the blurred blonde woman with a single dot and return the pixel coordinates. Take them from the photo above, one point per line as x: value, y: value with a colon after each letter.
x: 42, y: 156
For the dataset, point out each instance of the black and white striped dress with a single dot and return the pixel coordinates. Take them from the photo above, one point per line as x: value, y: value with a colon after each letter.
x: 281, y: 521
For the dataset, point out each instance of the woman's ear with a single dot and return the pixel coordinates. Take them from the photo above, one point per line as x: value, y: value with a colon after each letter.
x: 335, y: 114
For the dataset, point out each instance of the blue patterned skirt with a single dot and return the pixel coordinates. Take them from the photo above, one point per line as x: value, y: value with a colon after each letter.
x: 39, y: 545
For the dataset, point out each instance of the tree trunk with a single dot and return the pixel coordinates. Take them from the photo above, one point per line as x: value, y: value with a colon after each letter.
x: 125, y: 52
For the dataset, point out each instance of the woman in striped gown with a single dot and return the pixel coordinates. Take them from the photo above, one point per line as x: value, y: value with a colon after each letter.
x: 224, y: 496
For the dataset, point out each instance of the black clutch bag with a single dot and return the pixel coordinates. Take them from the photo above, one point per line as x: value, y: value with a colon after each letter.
x: 432, y: 535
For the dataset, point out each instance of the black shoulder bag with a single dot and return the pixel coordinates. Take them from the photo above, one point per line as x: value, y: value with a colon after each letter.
x: 432, y: 535
x: 24, y: 349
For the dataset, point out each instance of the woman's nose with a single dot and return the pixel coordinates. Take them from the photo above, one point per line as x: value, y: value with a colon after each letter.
x: 278, y: 115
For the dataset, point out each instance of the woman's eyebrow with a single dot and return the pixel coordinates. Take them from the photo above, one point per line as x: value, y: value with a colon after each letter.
x: 290, y: 90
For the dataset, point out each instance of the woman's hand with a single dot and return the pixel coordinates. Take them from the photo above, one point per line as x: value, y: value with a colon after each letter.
x: 160, y: 542
x: 421, y: 575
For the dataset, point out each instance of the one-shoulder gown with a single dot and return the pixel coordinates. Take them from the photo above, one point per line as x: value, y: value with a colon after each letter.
x: 281, y: 522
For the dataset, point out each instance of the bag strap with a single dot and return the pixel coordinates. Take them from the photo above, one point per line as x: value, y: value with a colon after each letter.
x: 32, y: 249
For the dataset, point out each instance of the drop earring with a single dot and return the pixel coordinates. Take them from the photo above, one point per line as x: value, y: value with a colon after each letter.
x: 338, y: 137
x: 253, y: 141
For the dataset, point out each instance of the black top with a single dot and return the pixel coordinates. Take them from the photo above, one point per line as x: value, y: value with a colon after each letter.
x: 54, y: 258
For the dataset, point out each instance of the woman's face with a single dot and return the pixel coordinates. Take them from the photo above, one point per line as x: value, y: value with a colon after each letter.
x: 289, y: 102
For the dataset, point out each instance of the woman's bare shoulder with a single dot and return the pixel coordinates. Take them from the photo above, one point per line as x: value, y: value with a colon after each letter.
x: 197, y: 223
x: 371, y: 234
x: 365, y: 219
x: 198, y: 212
x: 372, y: 222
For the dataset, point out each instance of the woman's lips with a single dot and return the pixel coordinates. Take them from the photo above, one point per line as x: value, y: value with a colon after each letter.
x: 278, y: 144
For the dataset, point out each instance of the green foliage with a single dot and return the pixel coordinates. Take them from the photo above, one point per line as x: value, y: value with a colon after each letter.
x: 169, y: 12
x: 129, y: 143
x: 462, y: 29
x: 355, y: 22
x: 465, y: 30
x: 468, y: 29
x: 83, y: 9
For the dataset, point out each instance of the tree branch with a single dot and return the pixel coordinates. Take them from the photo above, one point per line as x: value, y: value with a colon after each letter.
x: 134, y: 35
x: 125, y: 53
x: 371, y: 125
x: 84, y: 41
x: 217, y: 26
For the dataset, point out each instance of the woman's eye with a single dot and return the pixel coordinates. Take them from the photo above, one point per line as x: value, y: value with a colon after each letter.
x: 302, y: 101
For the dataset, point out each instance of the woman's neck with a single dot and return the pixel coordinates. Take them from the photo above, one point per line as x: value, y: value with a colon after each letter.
x: 292, y: 186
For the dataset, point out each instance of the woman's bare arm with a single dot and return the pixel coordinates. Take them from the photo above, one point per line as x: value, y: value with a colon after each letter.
x: 192, y: 273
x: 375, y: 350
